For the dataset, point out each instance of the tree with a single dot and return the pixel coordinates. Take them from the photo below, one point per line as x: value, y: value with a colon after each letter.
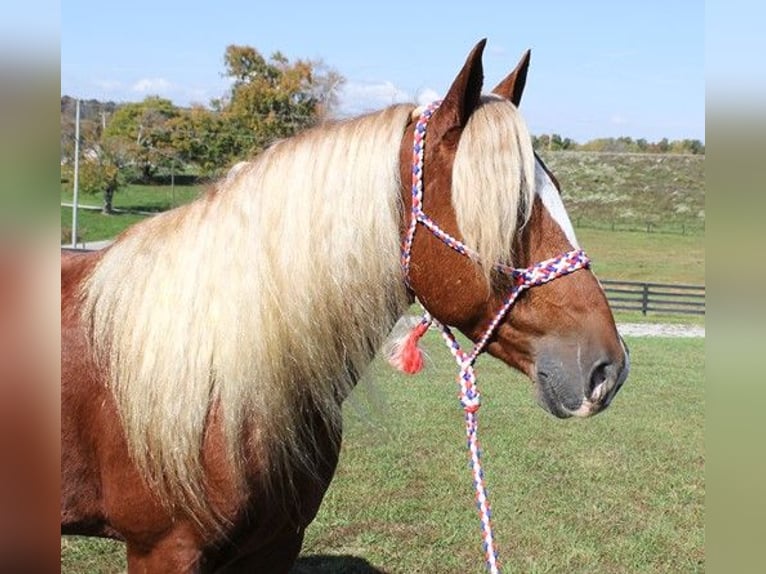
x: 272, y: 99
x: 202, y: 137
x: 93, y: 118
x: 99, y: 174
x: 142, y: 130
x: 268, y: 100
x: 663, y: 146
x: 694, y: 146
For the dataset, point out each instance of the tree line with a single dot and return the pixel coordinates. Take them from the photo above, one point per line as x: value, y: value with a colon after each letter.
x: 269, y: 99
x: 624, y: 144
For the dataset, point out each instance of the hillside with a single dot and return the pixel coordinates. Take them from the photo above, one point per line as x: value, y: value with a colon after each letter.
x: 658, y: 192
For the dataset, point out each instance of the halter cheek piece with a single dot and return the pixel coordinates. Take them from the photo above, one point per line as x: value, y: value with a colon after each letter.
x: 522, y: 279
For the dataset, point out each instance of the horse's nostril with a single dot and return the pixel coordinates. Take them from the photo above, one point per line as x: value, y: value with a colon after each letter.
x: 598, y: 377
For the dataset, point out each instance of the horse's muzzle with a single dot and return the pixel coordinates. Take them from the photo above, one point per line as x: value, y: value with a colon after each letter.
x: 579, y: 383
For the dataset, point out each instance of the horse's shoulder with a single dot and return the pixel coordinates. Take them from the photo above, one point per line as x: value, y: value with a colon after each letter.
x: 76, y: 265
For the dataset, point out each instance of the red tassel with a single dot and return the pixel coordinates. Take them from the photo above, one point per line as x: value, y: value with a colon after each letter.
x: 405, y: 354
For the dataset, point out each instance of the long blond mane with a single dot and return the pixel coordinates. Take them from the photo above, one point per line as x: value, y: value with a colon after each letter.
x: 268, y: 296
x: 493, y: 179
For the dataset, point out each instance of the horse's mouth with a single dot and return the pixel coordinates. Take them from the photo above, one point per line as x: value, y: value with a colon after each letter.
x: 550, y: 399
x: 564, y: 398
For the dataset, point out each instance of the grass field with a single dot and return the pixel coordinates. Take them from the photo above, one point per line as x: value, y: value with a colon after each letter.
x: 620, y: 493
x: 623, y: 492
x: 640, y: 256
x: 132, y: 204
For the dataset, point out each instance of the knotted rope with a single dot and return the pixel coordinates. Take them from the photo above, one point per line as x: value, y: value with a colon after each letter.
x: 407, y: 357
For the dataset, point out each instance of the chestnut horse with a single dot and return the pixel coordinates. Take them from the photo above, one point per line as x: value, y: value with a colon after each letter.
x: 206, y: 353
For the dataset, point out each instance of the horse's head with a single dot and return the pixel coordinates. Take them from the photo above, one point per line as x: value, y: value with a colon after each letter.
x: 483, y: 185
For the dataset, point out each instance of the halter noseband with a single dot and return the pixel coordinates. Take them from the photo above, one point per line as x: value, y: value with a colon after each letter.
x: 523, y: 279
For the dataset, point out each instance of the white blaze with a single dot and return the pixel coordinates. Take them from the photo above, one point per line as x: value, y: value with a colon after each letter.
x: 551, y: 199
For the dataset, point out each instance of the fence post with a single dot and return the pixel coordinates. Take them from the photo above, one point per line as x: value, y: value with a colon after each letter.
x: 645, y: 299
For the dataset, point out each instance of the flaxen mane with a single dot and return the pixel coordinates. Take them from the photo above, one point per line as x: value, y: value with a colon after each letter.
x: 275, y: 290
x: 493, y: 179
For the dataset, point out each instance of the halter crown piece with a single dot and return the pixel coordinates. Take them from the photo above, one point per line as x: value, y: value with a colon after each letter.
x: 407, y: 357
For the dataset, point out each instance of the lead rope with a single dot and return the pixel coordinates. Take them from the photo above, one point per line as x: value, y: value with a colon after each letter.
x: 408, y: 358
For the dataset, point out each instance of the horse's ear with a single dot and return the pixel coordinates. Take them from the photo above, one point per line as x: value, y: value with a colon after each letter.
x: 512, y: 86
x: 462, y: 97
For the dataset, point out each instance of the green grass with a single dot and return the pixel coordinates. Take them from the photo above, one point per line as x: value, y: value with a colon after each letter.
x: 622, y: 492
x: 658, y: 318
x: 641, y: 256
x: 149, y: 198
x: 94, y: 226
x: 82, y: 555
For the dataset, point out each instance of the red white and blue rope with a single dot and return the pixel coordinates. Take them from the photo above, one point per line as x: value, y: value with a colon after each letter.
x: 523, y: 279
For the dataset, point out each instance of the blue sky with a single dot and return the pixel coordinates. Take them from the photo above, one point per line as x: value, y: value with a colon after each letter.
x: 598, y: 68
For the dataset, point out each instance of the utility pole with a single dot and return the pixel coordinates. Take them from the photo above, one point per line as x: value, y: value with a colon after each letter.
x: 173, y: 181
x: 76, y: 171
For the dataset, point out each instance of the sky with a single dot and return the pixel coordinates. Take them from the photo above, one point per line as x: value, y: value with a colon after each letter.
x: 599, y: 68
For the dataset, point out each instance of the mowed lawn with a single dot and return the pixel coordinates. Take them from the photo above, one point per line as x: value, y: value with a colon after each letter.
x: 641, y: 256
x: 131, y: 204
x: 621, y: 492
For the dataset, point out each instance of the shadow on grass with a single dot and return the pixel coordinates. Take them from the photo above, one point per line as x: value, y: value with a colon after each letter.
x: 141, y: 209
x: 326, y: 564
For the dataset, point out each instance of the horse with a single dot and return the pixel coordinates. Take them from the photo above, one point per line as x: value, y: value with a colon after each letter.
x: 207, y: 352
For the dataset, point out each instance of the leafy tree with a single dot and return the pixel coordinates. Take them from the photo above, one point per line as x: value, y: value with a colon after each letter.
x: 693, y: 146
x: 269, y: 99
x: 202, y: 137
x: 98, y: 174
x: 93, y: 118
x: 622, y: 144
x: 143, y: 132
x: 272, y: 99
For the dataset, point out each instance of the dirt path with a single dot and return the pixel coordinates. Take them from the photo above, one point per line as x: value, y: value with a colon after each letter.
x: 660, y: 330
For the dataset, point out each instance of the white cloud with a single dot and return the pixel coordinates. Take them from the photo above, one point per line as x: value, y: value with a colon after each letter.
x: 426, y: 96
x: 108, y: 85
x: 151, y: 85
x: 358, y: 97
x: 120, y: 91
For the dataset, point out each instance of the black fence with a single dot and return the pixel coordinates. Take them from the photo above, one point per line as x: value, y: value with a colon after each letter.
x: 655, y: 297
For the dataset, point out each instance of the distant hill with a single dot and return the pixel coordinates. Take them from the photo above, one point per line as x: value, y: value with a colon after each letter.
x: 659, y: 192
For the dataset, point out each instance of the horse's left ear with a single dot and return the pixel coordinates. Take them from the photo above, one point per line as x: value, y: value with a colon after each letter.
x: 512, y: 86
x: 462, y: 97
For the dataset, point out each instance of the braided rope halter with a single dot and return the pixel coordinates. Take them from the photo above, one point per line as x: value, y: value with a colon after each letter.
x: 523, y: 279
